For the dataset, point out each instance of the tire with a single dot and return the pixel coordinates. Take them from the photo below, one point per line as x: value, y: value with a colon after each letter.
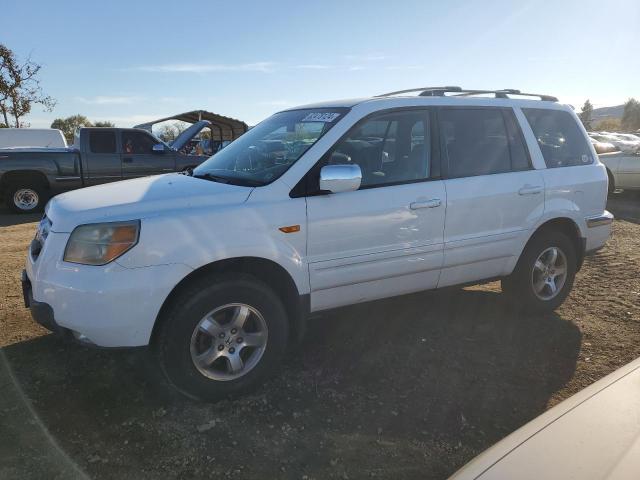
x: 25, y: 197
x: 611, y: 188
x: 187, y: 333
x: 523, y: 285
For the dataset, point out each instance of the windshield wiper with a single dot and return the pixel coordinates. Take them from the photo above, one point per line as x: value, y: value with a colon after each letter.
x: 243, y: 182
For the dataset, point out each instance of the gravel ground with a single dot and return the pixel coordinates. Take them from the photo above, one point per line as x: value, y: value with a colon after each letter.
x: 411, y: 387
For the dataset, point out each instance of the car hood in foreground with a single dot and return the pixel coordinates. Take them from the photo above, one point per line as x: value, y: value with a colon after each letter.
x: 139, y: 198
x: 594, y: 435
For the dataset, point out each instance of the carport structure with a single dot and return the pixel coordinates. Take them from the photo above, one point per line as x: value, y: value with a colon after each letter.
x: 222, y: 128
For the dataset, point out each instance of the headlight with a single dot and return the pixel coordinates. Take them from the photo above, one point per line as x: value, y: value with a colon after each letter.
x: 101, y: 243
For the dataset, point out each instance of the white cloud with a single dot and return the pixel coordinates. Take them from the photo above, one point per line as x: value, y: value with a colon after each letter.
x: 109, y: 100
x: 208, y: 67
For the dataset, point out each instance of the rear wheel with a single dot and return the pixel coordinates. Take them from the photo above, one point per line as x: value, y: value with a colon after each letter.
x: 25, y: 197
x: 544, y: 274
x: 223, y: 336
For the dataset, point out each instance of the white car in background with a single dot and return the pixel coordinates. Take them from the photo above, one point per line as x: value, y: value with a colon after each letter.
x: 625, y: 145
x: 623, y: 168
x: 593, y: 435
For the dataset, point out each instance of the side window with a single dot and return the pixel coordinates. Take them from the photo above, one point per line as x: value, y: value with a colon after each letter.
x: 102, y: 142
x: 389, y: 148
x: 561, y: 141
x: 137, y: 142
x: 477, y: 141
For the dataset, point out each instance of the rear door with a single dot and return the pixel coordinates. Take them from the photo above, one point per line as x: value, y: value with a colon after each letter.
x: 100, y: 157
x: 384, y: 239
x: 138, y: 157
x: 494, y: 196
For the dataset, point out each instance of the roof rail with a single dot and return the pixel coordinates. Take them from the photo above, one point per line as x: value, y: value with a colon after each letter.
x: 463, y: 92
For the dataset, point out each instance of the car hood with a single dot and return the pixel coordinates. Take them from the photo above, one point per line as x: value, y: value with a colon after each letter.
x: 139, y: 198
x: 593, y: 435
x: 186, y: 136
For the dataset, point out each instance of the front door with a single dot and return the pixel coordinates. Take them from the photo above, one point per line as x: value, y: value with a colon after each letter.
x: 384, y: 239
x: 138, y: 157
x: 629, y: 171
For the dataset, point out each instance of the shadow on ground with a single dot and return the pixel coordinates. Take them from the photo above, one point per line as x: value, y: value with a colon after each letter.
x: 625, y: 206
x: 411, y: 387
x: 8, y: 218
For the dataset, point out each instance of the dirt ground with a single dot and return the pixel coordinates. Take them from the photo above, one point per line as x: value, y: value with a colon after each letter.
x: 411, y: 387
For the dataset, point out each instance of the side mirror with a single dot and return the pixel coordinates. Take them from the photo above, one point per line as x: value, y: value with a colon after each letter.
x: 340, y: 178
x: 158, y: 148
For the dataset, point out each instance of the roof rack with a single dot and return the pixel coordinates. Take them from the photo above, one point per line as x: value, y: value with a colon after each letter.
x: 463, y: 92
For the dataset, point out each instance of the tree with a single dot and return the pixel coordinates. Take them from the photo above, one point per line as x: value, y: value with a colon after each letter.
x: 607, y: 125
x: 19, y: 88
x: 631, y: 115
x: 169, y: 132
x: 105, y: 124
x: 69, y: 125
x: 585, y: 115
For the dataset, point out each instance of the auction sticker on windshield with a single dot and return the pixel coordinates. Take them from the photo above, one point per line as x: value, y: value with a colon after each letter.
x: 320, y: 117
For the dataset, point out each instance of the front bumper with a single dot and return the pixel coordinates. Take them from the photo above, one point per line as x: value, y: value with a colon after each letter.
x: 105, y: 306
x: 41, y: 312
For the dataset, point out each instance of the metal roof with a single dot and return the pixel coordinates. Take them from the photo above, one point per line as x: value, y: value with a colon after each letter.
x: 222, y: 128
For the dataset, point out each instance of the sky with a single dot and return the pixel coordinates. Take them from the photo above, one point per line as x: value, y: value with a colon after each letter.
x: 134, y: 61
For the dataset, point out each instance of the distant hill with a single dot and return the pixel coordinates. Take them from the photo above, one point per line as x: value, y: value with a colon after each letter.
x: 607, y: 112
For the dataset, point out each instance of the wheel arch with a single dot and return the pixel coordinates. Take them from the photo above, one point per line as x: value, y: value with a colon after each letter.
x: 612, y: 180
x: 567, y: 226
x: 267, y: 271
x: 16, y: 175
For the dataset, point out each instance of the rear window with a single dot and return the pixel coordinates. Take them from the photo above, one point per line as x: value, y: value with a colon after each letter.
x: 559, y: 137
x: 102, y: 142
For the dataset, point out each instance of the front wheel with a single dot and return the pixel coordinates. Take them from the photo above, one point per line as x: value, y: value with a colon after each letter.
x: 223, y: 336
x: 22, y: 197
x: 544, y: 275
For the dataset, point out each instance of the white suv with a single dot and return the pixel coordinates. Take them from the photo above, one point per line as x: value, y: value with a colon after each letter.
x: 318, y: 207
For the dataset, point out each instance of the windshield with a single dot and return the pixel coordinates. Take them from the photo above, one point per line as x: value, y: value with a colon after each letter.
x: 266, y: 151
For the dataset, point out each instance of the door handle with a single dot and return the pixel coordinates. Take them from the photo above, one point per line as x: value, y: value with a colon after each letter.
x: 530, y: 190
x: 434, y: 202
x: 127, y: 160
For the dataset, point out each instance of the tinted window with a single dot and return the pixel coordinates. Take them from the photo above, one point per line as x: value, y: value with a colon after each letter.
x: 559, y: 137
x: 102, y: 142
x: 478, y: 141
x: 391, y: 148
x: 137, y: 142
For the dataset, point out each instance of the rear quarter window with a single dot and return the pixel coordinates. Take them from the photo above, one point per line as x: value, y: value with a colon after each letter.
x: 561, y: 141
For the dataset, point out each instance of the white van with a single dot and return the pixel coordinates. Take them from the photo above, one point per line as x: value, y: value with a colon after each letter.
x: 32, y: 137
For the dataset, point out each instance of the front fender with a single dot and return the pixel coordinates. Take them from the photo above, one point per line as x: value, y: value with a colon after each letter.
x: 198, y: 238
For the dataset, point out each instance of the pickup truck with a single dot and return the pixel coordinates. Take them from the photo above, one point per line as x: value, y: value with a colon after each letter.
x: 30, y: 176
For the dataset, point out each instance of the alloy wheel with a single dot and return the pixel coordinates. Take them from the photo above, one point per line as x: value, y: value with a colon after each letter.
x: 549, y: 273
x: 229, y: 341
